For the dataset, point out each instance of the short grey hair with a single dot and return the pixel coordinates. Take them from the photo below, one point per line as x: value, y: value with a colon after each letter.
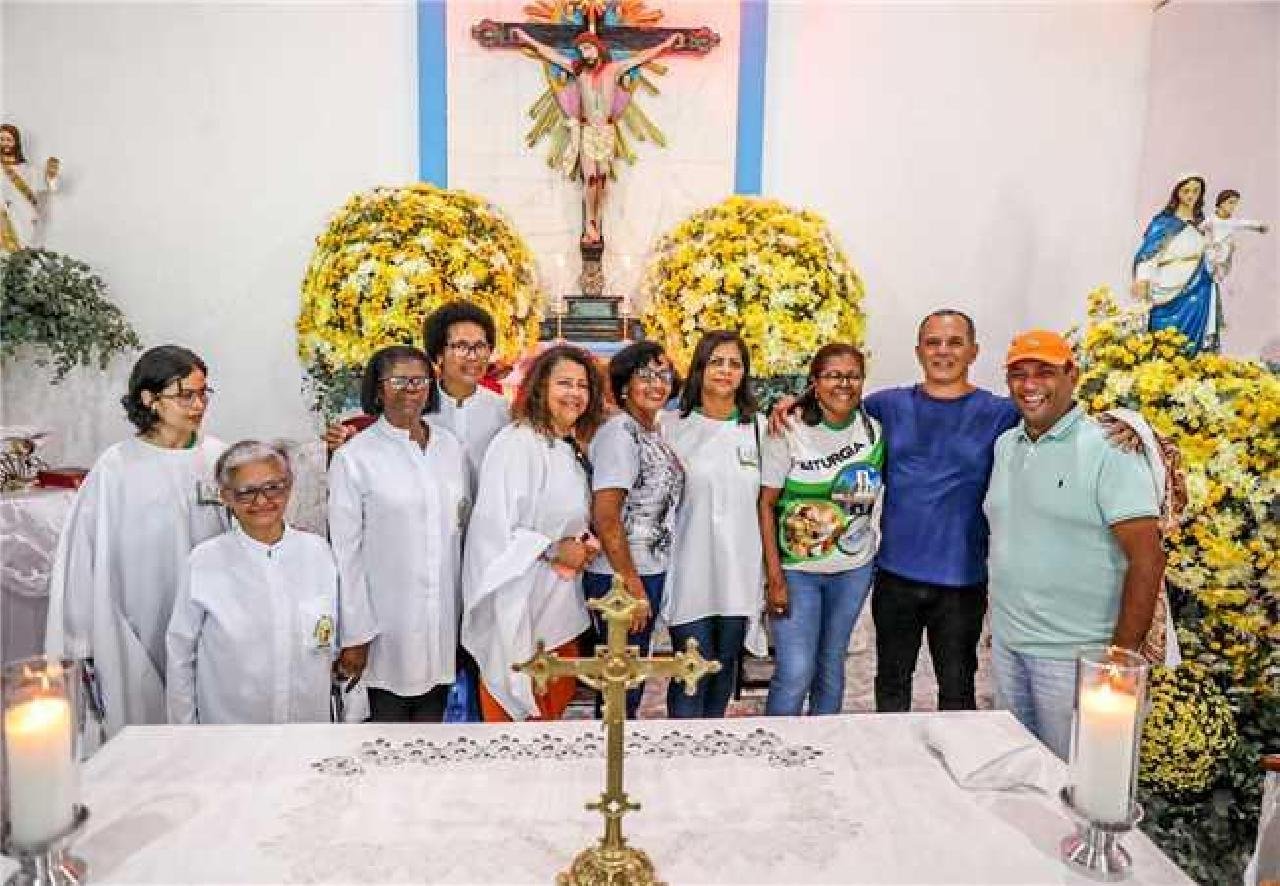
x: 247, y: 452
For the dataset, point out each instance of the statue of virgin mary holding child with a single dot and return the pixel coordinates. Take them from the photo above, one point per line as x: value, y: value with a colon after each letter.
x: 1171, y: 271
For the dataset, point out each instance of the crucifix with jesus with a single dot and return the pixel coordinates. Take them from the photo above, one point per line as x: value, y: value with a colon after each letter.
x: 595, y: 55
x: 615, y: 668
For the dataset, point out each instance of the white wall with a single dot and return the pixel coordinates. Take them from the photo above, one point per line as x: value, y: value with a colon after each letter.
x: 204, y: 145
x: 489, y: 96
x: 971, y: 156
x: 987, y: 157
x: 1215, y: 109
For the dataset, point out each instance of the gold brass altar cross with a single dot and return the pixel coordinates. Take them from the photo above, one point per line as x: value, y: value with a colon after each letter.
x: 615, y: 668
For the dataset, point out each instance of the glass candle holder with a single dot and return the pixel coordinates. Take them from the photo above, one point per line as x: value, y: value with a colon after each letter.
x: 41, y: 750
x: 1111, y: 695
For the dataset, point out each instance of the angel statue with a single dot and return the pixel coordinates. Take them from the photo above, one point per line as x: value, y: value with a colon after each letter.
x: 24, y: 213
x: 590, y: 106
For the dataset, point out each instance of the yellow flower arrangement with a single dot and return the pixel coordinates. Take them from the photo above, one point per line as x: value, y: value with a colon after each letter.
x: 1187, y: 733
x: 773, y: 273
x: 389, y: 257
x: 1224, y: 415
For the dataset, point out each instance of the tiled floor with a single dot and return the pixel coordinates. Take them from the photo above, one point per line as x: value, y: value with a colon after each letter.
x: 860, y: 669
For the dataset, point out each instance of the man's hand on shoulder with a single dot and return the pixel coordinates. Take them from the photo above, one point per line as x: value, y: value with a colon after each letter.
x: 1120, y: 433
x: 336, y: 434
x: 780, y: 414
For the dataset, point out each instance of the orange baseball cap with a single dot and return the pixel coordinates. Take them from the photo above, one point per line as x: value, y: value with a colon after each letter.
x: 1039, y: 344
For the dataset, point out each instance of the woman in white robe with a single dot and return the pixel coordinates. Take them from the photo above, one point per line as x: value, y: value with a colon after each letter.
x: 399, y: 495
x: 146, y: 503
x: 715, y: 579
x: 254, y: 630
x: 528, y: 540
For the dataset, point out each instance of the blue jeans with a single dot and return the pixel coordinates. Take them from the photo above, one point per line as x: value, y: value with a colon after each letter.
x: 1039, y: 692
x: 720, y: 638
x: 811, y: 641
x: 595, y: 586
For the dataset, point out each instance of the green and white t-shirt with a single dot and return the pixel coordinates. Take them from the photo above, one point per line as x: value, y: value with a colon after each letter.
x: 832, y: 487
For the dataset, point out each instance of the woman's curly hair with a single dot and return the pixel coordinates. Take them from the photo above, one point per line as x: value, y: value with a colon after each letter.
x: 532, y: 407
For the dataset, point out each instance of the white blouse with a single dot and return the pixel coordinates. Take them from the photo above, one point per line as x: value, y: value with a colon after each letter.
x: 396, y: 517
x: 254, y: 631
x: 716, y: 560
x: 532, y: 493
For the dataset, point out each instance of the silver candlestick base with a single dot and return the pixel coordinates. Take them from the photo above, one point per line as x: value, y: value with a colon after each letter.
x: 1094, y: 849
x: 51, y: 863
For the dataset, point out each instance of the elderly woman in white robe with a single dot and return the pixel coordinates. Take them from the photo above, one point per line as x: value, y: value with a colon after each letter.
x: 399, y: 494
x: 146, y: 503
x: 254, y: 630
x: 529, y: 540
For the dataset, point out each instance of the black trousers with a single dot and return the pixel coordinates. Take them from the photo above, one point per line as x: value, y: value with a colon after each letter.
x: 387, y: 707
x: 951, y: 617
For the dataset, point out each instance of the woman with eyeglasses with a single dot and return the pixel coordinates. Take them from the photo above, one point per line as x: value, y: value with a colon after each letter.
x: 399, y: 494
x: 819, y: 516
x: 459, y: 338
x: 148, y: 500
x: 715, y: 580
x: 637, y: 486
x: 529, y: 540
x: 254, y: 631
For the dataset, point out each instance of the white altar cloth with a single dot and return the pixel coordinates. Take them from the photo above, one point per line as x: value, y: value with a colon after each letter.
x: 30, y: 521
x: 851, y: 799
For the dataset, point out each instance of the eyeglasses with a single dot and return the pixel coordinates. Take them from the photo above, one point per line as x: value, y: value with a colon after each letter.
x: 411, y: 383
x: 188, y: 398
x: 840, y: 378
x: 272, y: 492
x: 645, y: 373
x: 469, y: 348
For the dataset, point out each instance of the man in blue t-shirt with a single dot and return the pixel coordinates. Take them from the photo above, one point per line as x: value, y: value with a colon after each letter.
x: 931, y: 579
x: 931, y: 569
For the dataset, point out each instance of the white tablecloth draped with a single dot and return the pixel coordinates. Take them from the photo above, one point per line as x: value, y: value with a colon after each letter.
x: 851, y: 799
x: 30, y: 522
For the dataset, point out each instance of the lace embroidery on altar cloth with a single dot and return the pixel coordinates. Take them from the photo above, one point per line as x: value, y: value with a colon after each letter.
x: 380, y: 752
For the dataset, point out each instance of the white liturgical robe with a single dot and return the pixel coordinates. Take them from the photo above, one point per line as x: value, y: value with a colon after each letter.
x: 716, y: 563
x: 254, y: 631
x: 120, y: 559
x: 397, y: 512
x: 474, y: 421
x: 532, y: 493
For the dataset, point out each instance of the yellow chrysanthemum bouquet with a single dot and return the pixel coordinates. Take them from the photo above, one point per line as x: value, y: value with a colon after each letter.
x: 775, y: 274
x: 389, y: 257
x: 1187, y: 734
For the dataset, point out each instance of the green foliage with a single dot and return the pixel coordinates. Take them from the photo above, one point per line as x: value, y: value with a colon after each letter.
x: 59, y: 306
x: 1211, y: 835
x: 770, y: 390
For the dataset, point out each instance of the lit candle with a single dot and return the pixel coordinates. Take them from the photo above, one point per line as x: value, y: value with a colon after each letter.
x: 41, y: 769
x: 1102, y: 769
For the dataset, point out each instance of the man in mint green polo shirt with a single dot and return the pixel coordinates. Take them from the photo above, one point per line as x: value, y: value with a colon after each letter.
x: 1075, y: 556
